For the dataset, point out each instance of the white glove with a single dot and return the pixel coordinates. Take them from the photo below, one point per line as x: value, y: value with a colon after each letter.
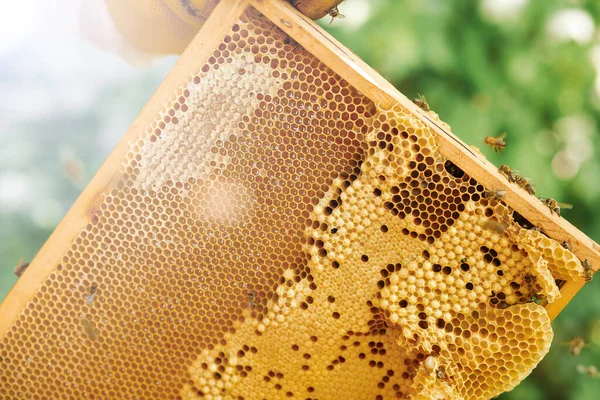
x: 143, y: 30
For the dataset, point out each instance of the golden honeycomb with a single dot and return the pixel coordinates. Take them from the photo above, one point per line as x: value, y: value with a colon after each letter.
x: 277, y: 234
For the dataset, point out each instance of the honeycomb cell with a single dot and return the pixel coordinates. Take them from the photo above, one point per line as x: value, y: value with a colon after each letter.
x: 277, y: 234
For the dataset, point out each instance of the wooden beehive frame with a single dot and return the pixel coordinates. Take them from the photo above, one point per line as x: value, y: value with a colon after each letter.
x: 349, y: 67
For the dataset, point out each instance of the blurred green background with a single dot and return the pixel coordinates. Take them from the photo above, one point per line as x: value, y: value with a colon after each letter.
x: 530, y: 68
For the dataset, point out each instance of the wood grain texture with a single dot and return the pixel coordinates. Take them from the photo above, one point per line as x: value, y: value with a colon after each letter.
x: 364, y: 78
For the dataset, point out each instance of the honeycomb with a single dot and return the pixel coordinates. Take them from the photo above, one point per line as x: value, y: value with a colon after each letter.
x: 277, y: 234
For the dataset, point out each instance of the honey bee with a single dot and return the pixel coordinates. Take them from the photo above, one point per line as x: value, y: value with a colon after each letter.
x: 440, y: 373
x: 90, y: 297
x: 576, y: 345
x: 589, y: 370
x: 587, y: 270
x: 496, y: 143
x: 494, y: 194
x: 73, y: 167
x: 90, y: 329
x: 421, y: 101
x: 555, y: 206
x: 524, y: 184
x: 567, y: 245
x: 335, y: 13
x: 507, y: 172
x: 537, y: 299
x: 514, y: 177
x: 251, y: 299
x: 494, y: 226
x: 529, y: 282
x: 21, y: 267
x: 416, y: 340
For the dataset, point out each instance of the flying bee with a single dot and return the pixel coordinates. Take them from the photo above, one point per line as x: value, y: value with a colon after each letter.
x: 335, y: 13
x: 587, y: 270
x: 21, y: 267
x: 555, y: 206
x: 494, y: 194
x: 494, y: 226
x: 90, y: 297
x: 589, y: 370
x: 421, y: 101
x: 576, y: 345
x: 497, y: 143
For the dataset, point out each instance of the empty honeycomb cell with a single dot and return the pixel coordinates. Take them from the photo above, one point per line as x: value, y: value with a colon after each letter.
x: 277, y: 234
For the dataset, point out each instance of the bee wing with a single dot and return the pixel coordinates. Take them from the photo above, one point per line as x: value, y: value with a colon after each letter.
x: 566, y: 206
x: 501, y: 136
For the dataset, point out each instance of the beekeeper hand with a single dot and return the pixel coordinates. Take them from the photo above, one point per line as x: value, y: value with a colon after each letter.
x: 142, y: 30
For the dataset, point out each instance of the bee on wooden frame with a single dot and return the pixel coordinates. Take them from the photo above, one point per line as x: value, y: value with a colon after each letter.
x: 525, y: 184
x: 497, y: 143
x: 587, y: 270
x: 507, y: 172
x: 421, y: 102
x: 554, y: 205
x: 335, y: 13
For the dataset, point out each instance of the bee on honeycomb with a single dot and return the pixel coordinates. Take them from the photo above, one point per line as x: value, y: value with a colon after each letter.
x: 495, y: 194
